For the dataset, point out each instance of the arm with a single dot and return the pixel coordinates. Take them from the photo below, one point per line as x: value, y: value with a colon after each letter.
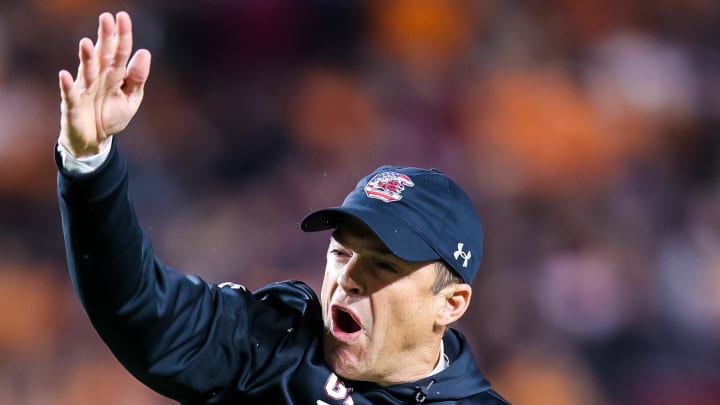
x: 180, y: 336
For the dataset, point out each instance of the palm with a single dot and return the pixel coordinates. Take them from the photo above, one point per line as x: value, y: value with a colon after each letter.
x: 108, y: 90
x: 115, y: 112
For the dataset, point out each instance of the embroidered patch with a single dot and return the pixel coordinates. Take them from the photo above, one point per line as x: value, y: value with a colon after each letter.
x: 388, y: 186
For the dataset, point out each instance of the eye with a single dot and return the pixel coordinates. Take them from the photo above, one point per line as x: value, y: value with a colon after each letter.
x: 338, y: 253
x: 385, y: 266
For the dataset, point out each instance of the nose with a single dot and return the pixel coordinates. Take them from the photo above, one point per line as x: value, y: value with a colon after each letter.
x: 350, y: 277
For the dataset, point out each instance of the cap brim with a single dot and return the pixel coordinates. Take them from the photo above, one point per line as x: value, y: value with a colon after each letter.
x: 397, y: 235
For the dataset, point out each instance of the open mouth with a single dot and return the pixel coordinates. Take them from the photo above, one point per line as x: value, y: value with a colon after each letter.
x: 344, y: 322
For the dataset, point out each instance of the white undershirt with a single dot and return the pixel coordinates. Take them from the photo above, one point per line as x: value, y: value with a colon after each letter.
x: 85, y: 164
x: 443, y: 362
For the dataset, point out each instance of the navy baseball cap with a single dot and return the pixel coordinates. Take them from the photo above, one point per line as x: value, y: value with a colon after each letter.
x: 420, y: 215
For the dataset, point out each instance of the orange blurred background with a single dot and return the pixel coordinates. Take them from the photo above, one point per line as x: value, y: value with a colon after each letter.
x: 586, y: 132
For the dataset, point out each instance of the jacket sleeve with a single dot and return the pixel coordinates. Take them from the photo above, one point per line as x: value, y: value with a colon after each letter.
x: 184, y: 338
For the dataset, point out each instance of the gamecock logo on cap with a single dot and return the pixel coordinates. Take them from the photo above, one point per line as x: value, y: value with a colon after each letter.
x: 388, y: 186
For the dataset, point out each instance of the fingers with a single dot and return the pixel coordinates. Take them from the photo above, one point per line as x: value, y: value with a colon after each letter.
x: 87, y: 73
x: 137, y: 72
x: 124, y: 40
x: 122, y: 48
x: 88, y: 70
x: 106, y: 61
x: 65, y: 81
x: 105, y: 47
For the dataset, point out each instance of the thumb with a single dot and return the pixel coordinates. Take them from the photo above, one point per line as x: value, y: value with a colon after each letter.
x: 138, y: 71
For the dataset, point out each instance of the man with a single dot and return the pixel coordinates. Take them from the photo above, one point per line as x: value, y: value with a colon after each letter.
x: 405, y: 245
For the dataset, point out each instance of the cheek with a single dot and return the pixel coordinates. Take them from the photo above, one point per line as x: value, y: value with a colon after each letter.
x: 329, y: 278
x: 328, y: 286
x: 407, y: 314
x: 388, y: 313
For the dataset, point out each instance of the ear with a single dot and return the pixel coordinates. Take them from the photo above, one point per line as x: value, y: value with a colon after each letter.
x: 455, y: 300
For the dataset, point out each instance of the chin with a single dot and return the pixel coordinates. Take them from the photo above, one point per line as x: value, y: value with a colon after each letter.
x: 343, y: 360
x: 347, y: 371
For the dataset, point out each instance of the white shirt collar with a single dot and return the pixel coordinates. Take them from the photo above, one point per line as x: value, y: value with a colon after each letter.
x: 443, y: 361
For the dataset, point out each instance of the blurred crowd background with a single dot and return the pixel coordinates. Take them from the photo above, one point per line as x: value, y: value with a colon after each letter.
x: 586, y: 131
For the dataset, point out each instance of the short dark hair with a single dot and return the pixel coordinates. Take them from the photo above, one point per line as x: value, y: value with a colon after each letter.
x: 444, y: 277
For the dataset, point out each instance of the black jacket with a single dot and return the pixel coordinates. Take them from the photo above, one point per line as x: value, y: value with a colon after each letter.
x: 202, y: 343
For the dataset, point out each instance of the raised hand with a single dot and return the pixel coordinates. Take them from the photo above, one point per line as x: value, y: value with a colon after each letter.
x: 107, y: 90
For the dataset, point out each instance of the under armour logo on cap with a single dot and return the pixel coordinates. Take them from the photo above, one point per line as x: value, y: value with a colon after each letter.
x: 460, y: 254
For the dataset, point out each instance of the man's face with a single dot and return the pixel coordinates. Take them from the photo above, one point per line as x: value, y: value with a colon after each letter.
x: 379, y: 311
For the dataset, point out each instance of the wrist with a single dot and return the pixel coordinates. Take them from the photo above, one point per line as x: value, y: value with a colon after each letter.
x: 86, y: 163
x: 83, y: 151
